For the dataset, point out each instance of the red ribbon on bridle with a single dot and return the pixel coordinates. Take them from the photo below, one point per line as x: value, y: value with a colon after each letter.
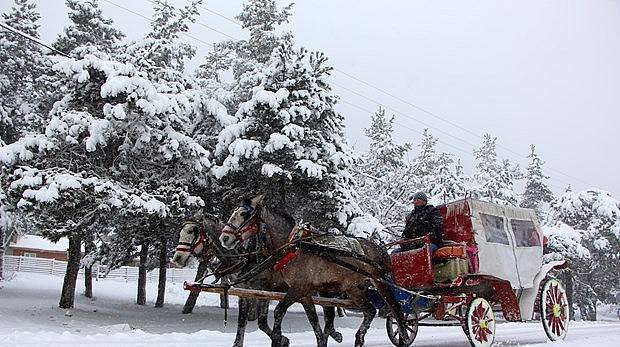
x: 248, y: 228
x: 199, y: 239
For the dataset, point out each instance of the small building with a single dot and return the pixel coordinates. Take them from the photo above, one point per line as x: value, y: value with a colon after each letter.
x: 38, y: 247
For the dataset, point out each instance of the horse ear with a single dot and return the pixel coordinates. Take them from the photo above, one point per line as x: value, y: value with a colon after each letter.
x: 257, y: 200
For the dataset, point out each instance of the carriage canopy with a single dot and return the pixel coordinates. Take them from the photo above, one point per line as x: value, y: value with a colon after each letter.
x: 508, y: 239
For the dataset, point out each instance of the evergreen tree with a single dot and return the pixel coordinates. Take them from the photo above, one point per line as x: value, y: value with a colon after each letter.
x: 245, y: 58
x: 493, y: 181
x: 380, y: 174
x: 4, y: 225
x: 20, y: 65
x: 597, y: 213
x: 161, y: 56
x: 89, y: 31
x: 425, y: 165
x: 115, y: 128
x: 288, y: 142
x: 536, y: 190
x: 384, y: 154
x: 449, y: 183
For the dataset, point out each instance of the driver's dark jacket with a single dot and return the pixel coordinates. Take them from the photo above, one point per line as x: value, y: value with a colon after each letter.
x: 424, y: 220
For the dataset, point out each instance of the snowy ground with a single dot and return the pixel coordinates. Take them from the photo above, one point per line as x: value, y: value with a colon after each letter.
x: 29, y: 316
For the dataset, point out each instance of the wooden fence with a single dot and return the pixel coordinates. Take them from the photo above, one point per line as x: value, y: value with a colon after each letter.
x: 124, y: 273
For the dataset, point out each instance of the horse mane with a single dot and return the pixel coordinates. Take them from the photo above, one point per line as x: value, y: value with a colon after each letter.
x: 280, y: 213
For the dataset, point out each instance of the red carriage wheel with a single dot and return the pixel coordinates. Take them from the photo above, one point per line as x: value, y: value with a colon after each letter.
x: 411, y: 321
x: 480, y: 323
x: 554, y: 310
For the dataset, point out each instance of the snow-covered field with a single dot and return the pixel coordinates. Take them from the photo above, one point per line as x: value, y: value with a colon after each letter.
x: 29, y: 316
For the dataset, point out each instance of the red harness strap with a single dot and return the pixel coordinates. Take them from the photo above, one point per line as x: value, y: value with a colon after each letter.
x: 288, y: 257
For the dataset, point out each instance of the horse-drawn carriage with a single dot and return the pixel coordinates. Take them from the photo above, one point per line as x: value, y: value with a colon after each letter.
x: 492, y: 261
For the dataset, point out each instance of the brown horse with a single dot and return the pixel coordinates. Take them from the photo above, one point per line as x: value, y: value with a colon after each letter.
x: 309, y: 273
x: 198, y: 238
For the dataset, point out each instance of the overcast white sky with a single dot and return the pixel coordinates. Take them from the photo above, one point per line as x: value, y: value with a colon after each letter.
x: 527, y: 71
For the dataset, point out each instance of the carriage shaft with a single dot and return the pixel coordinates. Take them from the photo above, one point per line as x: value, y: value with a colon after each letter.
x: 266, y: 295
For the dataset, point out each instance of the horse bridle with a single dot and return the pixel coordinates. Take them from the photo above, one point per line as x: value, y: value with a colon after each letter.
x: 199, y: 239
x: 249, y: 225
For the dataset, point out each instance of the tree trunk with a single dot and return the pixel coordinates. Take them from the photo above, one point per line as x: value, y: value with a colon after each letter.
x: 144, y: 253
x: 67, y: 296
x: 163, y: 267
x: 2, y: 235
x: 193, y: 296
x: 89, y: 246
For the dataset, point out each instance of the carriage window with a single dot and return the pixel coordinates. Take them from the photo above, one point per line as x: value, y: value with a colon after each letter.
x: 525, y: 233
x: 494, y: 228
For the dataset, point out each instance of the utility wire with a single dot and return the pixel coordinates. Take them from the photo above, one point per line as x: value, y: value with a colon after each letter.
x: 438, y: 140
x: 31, y: 38
x: 359, y: 94
x: 182, y: 32
x: 37, y: 41
x: 419, y: 108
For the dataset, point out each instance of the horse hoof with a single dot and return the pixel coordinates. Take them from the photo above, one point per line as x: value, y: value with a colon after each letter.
x: 336, y: 336
x: 284, y: 342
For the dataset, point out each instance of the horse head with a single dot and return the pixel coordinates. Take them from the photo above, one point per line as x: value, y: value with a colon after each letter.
x: 194, y: 238
x: 242, y: 224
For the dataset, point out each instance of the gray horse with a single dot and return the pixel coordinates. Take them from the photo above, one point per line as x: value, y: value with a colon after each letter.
x: 309, y: 273
x: 198, y: 238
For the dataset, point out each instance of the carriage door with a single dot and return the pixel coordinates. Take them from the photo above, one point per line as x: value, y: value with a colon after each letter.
x: 494, y: 242
x: 528, y: 248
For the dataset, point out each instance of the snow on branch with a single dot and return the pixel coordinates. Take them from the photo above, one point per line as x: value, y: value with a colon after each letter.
x: 311, y: 169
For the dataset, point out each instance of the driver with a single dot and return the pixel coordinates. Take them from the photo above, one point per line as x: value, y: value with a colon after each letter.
x: 422, y: 220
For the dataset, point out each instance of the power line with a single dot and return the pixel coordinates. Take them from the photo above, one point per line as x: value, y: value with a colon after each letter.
x: 419, y: 108
x: 438, y: 140
x: 361, y: 95
x: 182, y: 32
x: 402, y: 114
x: 220, y: 15
x: 31, y: 38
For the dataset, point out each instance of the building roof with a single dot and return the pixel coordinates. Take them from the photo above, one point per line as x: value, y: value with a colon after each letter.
x: 39, y: 242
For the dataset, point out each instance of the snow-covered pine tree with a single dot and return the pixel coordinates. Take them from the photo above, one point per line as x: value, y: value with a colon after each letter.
x: 4, y: 225
x: 115, y: 126
x: 161, y: 56
x: 20, y: 65
x: 89, y: 31
x: 597, y: 213
x: 288, y: 142
x: 383, y: 154
x: 493, y: 181
x: 448, y: 184
x: 245, y: 58
x: 425, y: 165
x: 382, y: 192
x: 536, y: 191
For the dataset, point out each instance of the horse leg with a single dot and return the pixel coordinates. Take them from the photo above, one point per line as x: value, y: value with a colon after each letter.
x: 293, y: 295
x: 329, y: 313
x: 340, y: 312
x: 242, y: 321
x: 313, y: 318
x: 263, y: 314
x: 394, y: 306
x: 369, y: 311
